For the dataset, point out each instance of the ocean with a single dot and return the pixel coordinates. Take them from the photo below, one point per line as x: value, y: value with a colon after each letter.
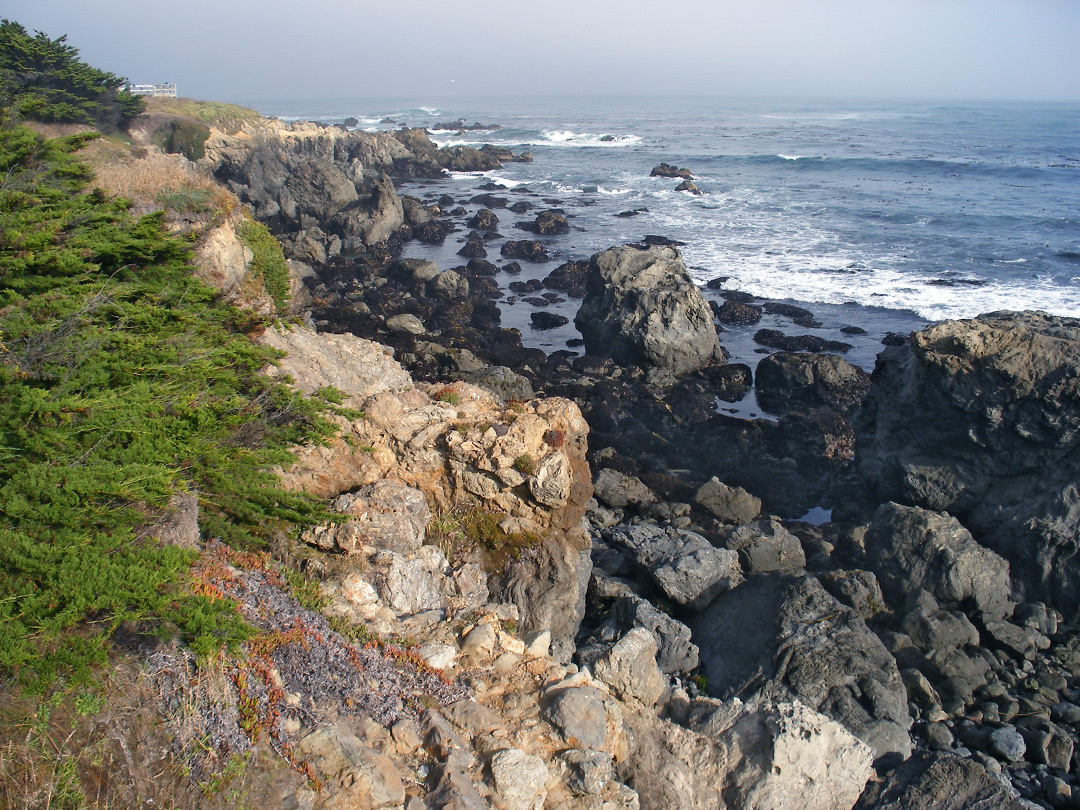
x: 881, y: 215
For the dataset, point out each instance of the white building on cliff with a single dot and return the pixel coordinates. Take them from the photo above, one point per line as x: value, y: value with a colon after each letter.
x: 167, y: 89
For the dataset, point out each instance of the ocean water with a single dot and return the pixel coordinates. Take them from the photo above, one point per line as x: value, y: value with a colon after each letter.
x: 885, y: 215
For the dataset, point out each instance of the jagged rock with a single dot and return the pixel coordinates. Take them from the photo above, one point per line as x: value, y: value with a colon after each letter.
x: 473, y: 247
x: 738, y: 313
x: 520, y: 779
x: 370, y: 779
x: 803, y: 644
x: 686, y: 566
x: 775, y: 339
x: 785, y: 380
x: 859, y: 590
x: 667, y: 170
x: 1007, y: 743
x: 473, y: 718
x: 454, y: 791
x: 416, y: 213
x: 569, y: 278
x: 443, y: 743
x: 642, y: 308
x: 412, y: 585
x: 484, y: 220
x: 767, y: 546
x: 629, y: 667
x: 590, y: 771
x: 449, y: 284
x: 1023, y: 642
x: 1047, y: 744
x: 356, y: 367
x: 789, y: 756
x: 936, y: 630
x: 375, y: 219
x: 619, y: 490
x: 981, y: 418
x: 578, y: 713
x: 547, y: 320
x: 675, y: 650
x: 548, y: 223
x: 690, y: 186
x: 528, y: 250
x: 939, y: 782
x: 406, y: 322
x: 728, y: 504
x: 505, y: 383
x: 385, y: 515
x: 911, y: 548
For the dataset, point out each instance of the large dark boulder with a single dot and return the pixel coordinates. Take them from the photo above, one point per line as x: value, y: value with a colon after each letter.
x: 911, y: 548
x: 981, y: 418
x: 642, y: 308
x: 787, y: 379
x: 939, y: 782
x: 779, y: 637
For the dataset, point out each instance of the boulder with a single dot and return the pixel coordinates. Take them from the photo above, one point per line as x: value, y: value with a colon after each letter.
x: 785, y: 380
x: 504, y: 382
x: 375, y: 219
x: 940, y: 782
x: 384, y: 515
x: 767, y: 546
x: 641, y: 307
x: 689, y: 186
x: 629, y: 667
x: 728, y: 504
x: 619, y: 490
x: 484, y: 220
x: 578, y: 713
x: 520, y: 778
x: 787, y: 755
x: 414, y: 584
x: 775, y: 339
x: 911, y: 548
x: 778, y: 638
x: 368, y: 778
x: 528, y: 250
x: 548, y: 223
x: 547, y: 320
x: 737, y: 313
x: 667, y: 170
x: 981, y: 418
x: 683, y: 564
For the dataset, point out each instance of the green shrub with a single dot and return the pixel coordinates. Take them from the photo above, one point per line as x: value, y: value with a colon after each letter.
x: 526, y: 464
x: 268, y: 261
x: 123, y: 380
x: 180, y: 137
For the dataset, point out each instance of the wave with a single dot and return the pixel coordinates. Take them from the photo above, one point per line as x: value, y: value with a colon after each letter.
x: 827, y: 278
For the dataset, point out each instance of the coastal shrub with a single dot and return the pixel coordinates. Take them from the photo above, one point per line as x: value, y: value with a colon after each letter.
x: 180, y: 137
x: 268, y: 262
x: 123, y: 380
x: 43, y: 79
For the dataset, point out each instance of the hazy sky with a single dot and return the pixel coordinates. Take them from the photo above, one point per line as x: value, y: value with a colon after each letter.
x: 257, y: 50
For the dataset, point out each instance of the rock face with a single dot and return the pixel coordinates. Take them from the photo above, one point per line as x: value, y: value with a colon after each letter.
x: 789, y: 756
x: 642, y: 308
x: 821, y: 380
x: 778, y: 637
x: 940, y: 782
x: 981, y: 418
x: 912, y: 548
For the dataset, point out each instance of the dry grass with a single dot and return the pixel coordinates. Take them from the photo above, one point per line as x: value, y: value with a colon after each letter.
x: 144, y: 178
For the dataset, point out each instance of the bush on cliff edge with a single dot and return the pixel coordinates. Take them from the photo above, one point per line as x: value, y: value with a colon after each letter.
x: 123, y: 380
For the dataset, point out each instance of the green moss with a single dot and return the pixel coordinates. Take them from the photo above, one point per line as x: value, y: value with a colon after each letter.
x: 123, y: 380
x: 526, y: 464
x: 268, y: 261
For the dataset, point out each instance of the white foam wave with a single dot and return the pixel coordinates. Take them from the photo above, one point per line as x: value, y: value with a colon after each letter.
x: 789, y: 157
x: 431, y: 110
